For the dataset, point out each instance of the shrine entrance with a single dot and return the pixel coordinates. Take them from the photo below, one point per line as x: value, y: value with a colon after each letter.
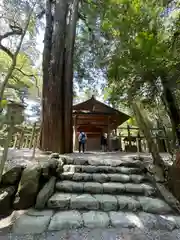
x: 96, y: 118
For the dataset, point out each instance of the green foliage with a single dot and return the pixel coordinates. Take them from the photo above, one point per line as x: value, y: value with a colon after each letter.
x: 143, y: 45
x: 26, y: 76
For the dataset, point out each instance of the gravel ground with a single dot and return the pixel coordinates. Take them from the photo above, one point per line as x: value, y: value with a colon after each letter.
x: 100, y: 234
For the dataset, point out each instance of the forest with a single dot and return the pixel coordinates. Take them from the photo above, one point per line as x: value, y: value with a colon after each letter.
x: 127, y: 51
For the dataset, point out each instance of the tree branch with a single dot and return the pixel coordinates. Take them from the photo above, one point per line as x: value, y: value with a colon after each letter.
x: 14, y: 59
x: 29, y: 75
x: 6, y: 50
x: 15, y: 31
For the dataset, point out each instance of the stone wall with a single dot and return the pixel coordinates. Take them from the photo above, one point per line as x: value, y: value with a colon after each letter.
x: 24, y: 187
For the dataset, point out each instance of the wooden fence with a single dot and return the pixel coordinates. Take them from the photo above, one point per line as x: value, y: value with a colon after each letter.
x: 128, y: 139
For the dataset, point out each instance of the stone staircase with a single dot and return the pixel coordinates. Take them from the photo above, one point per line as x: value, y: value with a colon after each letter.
x: 101, y: 194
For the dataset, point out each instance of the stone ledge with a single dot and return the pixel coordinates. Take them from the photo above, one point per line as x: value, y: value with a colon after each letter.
x: 37, y: 223
x: 65, y: 201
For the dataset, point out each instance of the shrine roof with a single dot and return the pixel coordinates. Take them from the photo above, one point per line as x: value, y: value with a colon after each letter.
x: 94, y: 107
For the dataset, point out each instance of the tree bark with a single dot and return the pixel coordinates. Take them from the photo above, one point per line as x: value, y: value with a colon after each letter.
x: 45, y: 141
x: 172, y: 108
x: 57, y: 124
x: 68, y: 77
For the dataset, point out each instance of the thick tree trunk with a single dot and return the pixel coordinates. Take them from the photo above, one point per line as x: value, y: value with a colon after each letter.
x: 57, y: 131
x: 68, y: 77
x: 173, y: 110
x: 44, y: 140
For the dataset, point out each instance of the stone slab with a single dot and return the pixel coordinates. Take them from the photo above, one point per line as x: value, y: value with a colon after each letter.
x: 107, y: 202
x: 120, y: 219
x: 32, y: 224
x: 153, y: 221
x: 60, y: 200
x: 96, y: 219
x: 65, y: 220
x: 137, y: 178
x: 67, y: 176
x: 84, y: 201
x: 154, y: 205
x: 100, y: 169
x: 70, y: 186
x: 112, y: 187
x: 82, y: 177
x: 119, y: 177
x: 149, y: 190
x: 134, y: 188
x: 100, y: 177
x: 128, y: 202
x: 93, y: 187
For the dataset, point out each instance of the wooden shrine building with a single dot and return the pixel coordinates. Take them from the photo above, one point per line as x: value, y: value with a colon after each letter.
x: 95, y: 118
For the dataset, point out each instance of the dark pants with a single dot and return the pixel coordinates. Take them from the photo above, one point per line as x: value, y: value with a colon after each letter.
x: 81, y: 144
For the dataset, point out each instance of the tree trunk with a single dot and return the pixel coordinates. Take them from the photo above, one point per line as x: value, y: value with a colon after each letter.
x: 145, y: 127
x: 173, y: 110
x: 57, y: 131
x: 68, y: 77
x: 44, y: 140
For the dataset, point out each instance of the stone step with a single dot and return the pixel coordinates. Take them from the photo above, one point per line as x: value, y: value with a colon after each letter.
x: 104, y: 162
x: 108, y: 188
x: 104, y: 177
x: 101, y: 169
x: 37, y: 222
x: 104, y: 202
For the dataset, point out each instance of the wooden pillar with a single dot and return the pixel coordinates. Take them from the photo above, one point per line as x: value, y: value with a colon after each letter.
x: 32, y: 135
x: 129, y: 135
x: 15, y: 141
x: 120, y: 142
x: 108, y: 135
x: 74, y: 132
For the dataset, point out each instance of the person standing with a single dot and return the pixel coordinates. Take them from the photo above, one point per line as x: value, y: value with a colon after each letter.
x: 104, y: 142
x: 82, y: 140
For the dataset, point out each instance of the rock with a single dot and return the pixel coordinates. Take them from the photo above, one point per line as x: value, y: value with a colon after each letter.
x: 65, y: 220
x: 6, y: 199
x: 59, y: 168
x: 12, y: 176
x: 137, y: 178
x: 134, y: 188
x: 45, y: 193
x: 66, y: 176
x: 119, y: 178
x: 149, y: 190
x: 111, y: 187
x: 70, y: 186
x: 148, y: 220
x: 94, y: 219
x: 33, y: 222
x: 84, y: 201
x: 165, y: 222
x: 129, y: 203
x: 93, y: 187
x: 80, y: 161
x: 59, y: 200
x: 154, y: 205
x: 82, y: 177
x: 152, y: 221
x: 120, y: 219
x: 54, y: 155
x: 54, y: 167
x: 97, y: 177
x: 107, y: 202
x: 28, y: 188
